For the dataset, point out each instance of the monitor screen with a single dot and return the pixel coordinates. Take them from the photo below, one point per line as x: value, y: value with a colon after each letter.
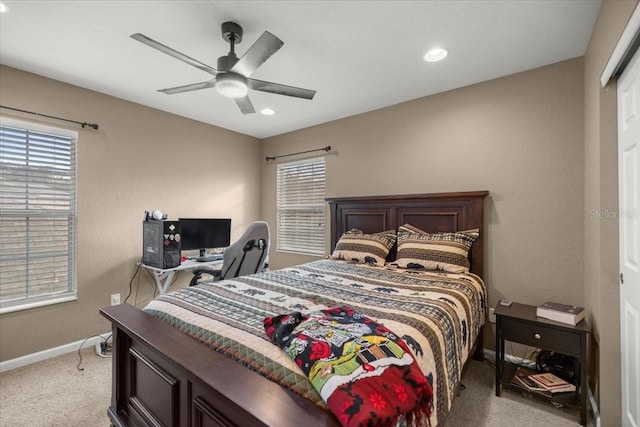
x: 204, y: 233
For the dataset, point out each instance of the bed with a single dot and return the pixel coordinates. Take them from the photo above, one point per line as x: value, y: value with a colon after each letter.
x: 163, y: 376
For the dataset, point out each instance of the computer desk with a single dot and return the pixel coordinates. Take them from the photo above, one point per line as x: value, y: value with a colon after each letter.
x: 164, y: 276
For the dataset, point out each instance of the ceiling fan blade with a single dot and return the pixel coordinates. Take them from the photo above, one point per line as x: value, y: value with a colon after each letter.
x: 188, y: 88
x: 172, y: 52
x: 281, y: 89
x: 257, y: 54
x: 246, y: 107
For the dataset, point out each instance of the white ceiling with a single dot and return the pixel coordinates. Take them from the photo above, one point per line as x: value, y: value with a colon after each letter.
x: 358, y: 55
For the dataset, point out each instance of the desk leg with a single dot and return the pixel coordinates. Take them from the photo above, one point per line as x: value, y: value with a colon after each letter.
x: 499, y: 353
x: 583, y: 379
x: 163, y: 280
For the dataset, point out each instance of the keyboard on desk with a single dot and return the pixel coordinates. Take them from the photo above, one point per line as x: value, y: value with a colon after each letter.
x: 209, y: 258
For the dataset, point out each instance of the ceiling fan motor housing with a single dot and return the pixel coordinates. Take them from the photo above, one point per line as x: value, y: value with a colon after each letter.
x: 225, y: 63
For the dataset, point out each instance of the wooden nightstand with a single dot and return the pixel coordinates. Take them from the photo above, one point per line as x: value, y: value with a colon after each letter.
x: 519, y: 323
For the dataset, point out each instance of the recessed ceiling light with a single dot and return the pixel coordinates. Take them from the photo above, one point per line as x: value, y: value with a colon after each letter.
x: 435, y: 55
x: 3, y: 7
x: 267, y: 111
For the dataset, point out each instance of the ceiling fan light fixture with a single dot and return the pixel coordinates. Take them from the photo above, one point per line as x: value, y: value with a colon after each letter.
x: 231, y: 85
x: 435, y: 55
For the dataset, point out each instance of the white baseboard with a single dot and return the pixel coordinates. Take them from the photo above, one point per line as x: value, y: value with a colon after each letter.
x: 28, y: 359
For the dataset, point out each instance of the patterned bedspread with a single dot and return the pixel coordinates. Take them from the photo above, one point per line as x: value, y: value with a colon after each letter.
x: 439, y: 315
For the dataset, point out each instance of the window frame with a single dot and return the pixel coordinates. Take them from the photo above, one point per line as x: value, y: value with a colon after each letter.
x: 70, y: 293
x: 290, y: 245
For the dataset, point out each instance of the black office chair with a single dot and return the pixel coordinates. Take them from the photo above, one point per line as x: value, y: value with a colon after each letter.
x: 247, y: 255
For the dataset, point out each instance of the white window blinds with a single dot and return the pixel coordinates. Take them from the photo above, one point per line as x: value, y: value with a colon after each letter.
x: 301, y: 206
x: 37, y: 217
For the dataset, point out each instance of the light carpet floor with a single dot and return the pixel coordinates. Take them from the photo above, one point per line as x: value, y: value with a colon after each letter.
x: 55, y: 393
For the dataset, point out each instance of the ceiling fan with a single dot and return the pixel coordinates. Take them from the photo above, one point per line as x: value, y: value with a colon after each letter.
x: 232, y: 76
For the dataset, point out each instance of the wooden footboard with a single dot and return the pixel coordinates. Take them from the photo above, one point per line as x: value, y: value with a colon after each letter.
x: 162, y: 377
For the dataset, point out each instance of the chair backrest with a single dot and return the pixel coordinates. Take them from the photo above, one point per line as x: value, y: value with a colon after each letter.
x: 248, y: 254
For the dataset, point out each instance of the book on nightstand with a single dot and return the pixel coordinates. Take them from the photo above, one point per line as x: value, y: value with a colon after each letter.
x: 521, y: 380
x: 565, y: 313
x: 545, y: 384
x: 552, y: 383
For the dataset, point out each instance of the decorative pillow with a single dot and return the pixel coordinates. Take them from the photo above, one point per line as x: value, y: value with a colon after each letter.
x: 411, y: 229
x: 441, y: 251
x: 356, y: 246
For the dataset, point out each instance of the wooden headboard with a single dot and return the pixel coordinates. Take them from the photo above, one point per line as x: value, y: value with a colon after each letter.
x: 435, y: 212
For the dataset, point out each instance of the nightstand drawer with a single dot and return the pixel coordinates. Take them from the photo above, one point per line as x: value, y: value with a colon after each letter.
x: 540, y: 336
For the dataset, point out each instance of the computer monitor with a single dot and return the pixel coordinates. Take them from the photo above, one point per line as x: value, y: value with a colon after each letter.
x: 205, y: 233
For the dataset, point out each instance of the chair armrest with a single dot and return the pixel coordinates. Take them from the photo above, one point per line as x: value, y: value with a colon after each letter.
x: 198, y: 272
x: 207, y: 270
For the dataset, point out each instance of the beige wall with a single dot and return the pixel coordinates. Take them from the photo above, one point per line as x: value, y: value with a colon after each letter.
x: 601, y: 192
x: 139, y: 159
x: 520, y: 137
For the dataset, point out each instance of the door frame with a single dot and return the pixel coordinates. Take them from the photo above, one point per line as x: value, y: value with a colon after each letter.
x: 621, y: 56
x: 624, y: 50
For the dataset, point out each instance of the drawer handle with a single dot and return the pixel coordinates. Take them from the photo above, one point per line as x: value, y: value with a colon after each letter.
x: 538, y: 336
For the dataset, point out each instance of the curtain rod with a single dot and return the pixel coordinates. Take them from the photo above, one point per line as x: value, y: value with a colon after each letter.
x: 84, y: 124
x: 327, y: 148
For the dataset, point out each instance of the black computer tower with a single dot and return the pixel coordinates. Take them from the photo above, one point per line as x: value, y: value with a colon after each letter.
x: 161, y: 243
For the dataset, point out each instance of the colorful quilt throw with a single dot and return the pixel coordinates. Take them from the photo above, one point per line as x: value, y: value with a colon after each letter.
x: 363, y: 371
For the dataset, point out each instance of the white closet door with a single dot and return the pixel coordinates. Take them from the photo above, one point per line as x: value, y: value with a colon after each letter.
x: 629, y: 217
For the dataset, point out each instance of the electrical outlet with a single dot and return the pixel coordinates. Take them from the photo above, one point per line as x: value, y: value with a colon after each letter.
x: 115, y: 299
x: 492, y: 315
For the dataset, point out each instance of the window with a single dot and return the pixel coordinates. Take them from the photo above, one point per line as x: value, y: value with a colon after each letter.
x: 37, y: 215
x: 301, y: 204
